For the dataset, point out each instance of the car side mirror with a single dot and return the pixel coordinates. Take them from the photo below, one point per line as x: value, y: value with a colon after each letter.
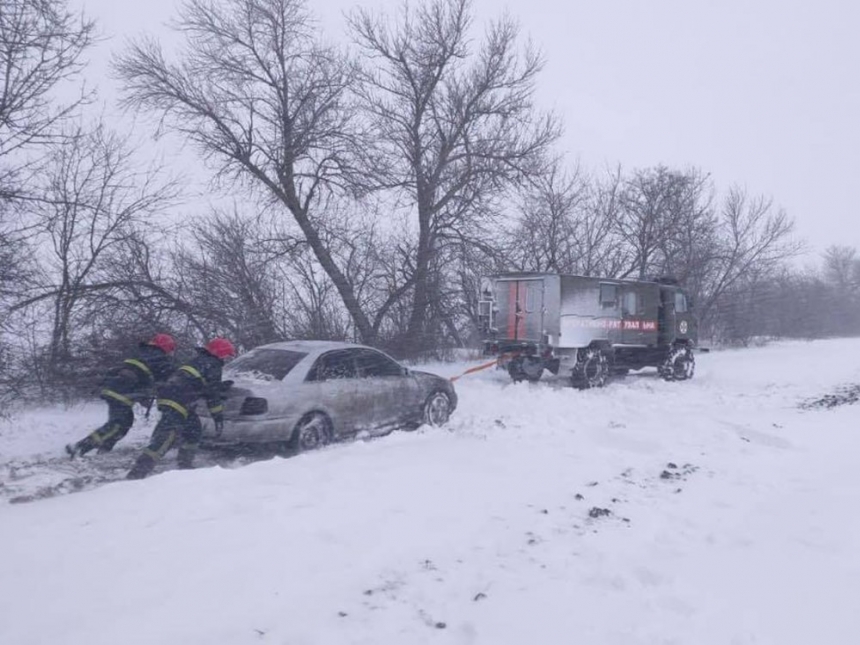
x: 405, y: 371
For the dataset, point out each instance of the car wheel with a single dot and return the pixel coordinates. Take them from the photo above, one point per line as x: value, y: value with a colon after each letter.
x: 312, y: 432
x: 437, y: 409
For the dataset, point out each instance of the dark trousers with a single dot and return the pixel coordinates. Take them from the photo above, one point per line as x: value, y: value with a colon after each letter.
x: 120, y: 420
x: 173, y: 429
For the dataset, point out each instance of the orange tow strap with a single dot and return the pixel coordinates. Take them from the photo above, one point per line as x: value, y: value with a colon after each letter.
x: 478, y: 368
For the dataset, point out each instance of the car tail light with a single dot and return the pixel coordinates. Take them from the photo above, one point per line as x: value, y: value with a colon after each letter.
x: 254, y: 405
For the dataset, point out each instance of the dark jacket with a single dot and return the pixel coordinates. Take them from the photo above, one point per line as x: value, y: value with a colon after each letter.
x: 199, y: 378
x: 136, y: 376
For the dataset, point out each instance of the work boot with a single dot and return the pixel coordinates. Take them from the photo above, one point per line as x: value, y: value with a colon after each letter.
x: 80, y: 448
x: 142, y: 467
x: 185, y: 458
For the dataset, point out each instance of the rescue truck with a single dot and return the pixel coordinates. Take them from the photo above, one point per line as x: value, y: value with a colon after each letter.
x: 585, y: 327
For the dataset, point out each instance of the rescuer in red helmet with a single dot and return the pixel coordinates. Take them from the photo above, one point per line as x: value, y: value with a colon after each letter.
x: 130, y: 382
x: 199, y: 378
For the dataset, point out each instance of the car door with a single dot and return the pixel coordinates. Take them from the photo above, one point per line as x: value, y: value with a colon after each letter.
x: 333, y: 386
x: 395, y: 393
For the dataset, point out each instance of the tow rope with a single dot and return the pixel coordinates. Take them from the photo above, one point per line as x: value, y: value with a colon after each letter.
x: 483, y: 366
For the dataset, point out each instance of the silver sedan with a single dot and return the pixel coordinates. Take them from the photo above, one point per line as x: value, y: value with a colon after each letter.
x: 307, y: 393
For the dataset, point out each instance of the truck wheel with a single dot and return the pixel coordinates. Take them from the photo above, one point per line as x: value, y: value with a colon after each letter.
x: 527, y: 368
x: 680, y: 365
x: 592, y: 369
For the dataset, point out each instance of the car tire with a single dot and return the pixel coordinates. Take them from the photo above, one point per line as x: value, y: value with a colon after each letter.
x: 313, y: 431
x: 437, y: 409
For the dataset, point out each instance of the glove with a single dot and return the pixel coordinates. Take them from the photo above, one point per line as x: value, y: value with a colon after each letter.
x: 219, y: 423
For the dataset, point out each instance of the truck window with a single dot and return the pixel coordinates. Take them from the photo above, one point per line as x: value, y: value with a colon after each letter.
x: 680, y: 302
x: 608, y: 295
x: 531, y: 297
x: 631, y: 303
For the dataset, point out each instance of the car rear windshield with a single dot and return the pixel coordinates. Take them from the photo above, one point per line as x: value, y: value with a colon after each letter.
x: 266, y: 364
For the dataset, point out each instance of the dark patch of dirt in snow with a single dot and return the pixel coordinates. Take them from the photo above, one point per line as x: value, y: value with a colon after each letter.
x: 845, y: 395
x: 673, y: 471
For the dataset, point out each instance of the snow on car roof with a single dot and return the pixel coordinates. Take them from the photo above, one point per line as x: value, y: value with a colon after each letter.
x: 310, y: 346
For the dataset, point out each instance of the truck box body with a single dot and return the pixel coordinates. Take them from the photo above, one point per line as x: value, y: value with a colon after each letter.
x: 636, y: 322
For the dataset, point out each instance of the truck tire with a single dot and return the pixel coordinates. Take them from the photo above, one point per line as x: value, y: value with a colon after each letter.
x: 680, y: 364
x: 526, y: 368
x: 592, y: 369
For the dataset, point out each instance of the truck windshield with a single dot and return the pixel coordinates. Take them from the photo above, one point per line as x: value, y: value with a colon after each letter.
x: 264, y: 364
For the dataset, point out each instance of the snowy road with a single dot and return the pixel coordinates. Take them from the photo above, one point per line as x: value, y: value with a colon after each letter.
x: 710, y: 512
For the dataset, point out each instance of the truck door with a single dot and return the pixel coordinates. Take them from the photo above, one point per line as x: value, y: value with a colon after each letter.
x: 632, y: 315
x: 666, y: 316
x: 520, y: 309
x: 686, y: 325
x: 677, y: 321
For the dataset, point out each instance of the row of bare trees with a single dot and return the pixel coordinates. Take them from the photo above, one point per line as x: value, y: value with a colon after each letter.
x: 369, y: 187
x: 650, y: 223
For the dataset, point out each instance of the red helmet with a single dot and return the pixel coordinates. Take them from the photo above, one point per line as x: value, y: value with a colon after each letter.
x: 164, y: 342
x: 220, y: 348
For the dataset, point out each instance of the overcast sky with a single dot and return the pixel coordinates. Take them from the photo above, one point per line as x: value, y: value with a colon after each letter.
x: 762, y: 93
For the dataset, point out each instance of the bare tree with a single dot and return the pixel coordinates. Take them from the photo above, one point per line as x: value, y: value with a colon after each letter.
x: 601, y: 250
x: 264, y: 102
x: 312, y: 308
x: 566, y: 225
x: 456, y: 127
x: 41, y: 43
x: 653, y: 203
x: 545, y: 238
x: 753, y: 241
x: 16, y: 266
x: 842, y: 267
x: 95, y: 201
x: 227, y: 279
x: 689, y: 252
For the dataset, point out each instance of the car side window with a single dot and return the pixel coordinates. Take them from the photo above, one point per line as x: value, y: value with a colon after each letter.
x: 374, y: 364
x: 334, y: 365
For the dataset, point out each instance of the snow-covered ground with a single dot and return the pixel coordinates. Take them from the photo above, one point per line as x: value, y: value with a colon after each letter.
x: 710, y: 512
